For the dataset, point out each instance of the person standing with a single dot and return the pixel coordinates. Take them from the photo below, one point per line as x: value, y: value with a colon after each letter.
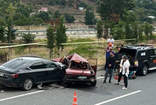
x: 117, y: 58
x: 108, y: 50
x: 120, y: 71
x: 109, y: 67
x: 125, y: 71
x: 111, y: 40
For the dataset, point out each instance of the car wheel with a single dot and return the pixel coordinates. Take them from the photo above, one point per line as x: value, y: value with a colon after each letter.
x: 144, y: 70
x: 93, y: 83
x: 64, y: 82
x: 27, y: 84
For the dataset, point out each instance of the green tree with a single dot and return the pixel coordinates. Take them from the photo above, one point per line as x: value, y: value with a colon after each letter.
x: 56, y: 14
x: 99, y: 28
x: 11, y: 10
x: 61, y: 36
x: 140, y: 32
x: 28, y: 38
x: 63, y: 2
x: 108, y: 7
x: 44, y: 16
x: 106, y: 27
x: 51, y: 2
x: 148, y: 30
x: 118, y: 30
x: 2, y: 33
x: 50, y: 40
x: 135, y: 28
x: 128, y: 31
x: 89, y: 17
x: 131, y: 26
x: 69, y: 18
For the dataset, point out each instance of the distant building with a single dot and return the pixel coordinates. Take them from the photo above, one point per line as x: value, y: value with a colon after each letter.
x: 33, y: 13
x: 43, y: 9
x: 152, y: 17
x: 81, y: 8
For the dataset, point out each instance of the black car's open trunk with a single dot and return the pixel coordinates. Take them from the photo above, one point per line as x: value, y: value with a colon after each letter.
x: 130, y: 53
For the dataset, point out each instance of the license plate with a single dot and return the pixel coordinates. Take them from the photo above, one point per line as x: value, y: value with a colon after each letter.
x: 82, y: 77
x: 92, y: 79
x: 1, y: 74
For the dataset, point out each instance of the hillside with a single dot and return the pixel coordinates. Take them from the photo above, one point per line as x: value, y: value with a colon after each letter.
x: 31, y: 12
x: 63, y: 6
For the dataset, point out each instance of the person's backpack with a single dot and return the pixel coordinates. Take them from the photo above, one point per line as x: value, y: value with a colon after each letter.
x: 132, y: 75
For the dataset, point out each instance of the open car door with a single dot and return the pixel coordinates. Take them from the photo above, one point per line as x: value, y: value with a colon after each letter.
x: 93, y: 63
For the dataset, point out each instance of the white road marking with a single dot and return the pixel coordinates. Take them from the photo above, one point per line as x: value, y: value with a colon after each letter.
x: 100, y: 77
x: 9, y: 98
x: 118, y: 97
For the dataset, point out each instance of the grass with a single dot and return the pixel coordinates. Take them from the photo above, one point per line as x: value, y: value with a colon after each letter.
x: 80, y: 40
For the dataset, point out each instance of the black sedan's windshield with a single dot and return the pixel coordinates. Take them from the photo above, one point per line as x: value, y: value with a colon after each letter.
x: 16, y: 63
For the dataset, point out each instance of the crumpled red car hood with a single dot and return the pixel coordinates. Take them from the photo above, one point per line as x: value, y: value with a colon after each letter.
x: 79, y: 72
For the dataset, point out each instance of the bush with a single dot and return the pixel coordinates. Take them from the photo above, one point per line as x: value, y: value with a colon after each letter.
x: 28, y: 38
x: 69, y: 18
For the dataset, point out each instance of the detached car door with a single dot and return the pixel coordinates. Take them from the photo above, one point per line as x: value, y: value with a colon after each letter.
x: 38, y: 71
x: 53, y: 73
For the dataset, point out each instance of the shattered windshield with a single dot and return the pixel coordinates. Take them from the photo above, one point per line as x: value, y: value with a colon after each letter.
x: 79, y: 65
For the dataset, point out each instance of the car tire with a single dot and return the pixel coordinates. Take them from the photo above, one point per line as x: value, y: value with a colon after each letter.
x: 27, y: 84
x: 93, y: 83
x: 64, y: 82
x: 144, y: 70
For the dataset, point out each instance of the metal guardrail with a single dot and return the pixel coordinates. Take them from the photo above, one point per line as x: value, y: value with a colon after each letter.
x: 20, y: 45
x: 27, y: 31
x: 74, y: 43
x: 93, y: 42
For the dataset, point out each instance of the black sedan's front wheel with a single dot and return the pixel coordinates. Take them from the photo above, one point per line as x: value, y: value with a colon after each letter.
x: 27, y: 84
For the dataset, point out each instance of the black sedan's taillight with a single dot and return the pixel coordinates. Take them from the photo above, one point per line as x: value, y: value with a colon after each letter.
x: 13, y: 75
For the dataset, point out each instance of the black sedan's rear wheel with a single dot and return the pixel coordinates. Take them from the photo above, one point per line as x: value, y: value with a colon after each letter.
x: 27, y: 84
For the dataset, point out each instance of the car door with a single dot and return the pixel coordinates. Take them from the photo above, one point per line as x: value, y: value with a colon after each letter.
x: 152, y: 60
x: 93, y: 63
x: 38, y: 71
x: 53, y: 73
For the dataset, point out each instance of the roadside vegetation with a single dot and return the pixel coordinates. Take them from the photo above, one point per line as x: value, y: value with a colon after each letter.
x: 123, y: 23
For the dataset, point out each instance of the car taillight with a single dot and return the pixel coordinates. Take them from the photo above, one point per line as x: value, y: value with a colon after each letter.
x: 135, y: 63
x: 14, y: 75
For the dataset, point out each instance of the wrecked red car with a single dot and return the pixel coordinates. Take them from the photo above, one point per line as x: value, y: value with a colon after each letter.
x: 79, y: 69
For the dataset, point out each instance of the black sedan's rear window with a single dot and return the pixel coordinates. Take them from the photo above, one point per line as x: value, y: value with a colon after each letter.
x: 16, y: 63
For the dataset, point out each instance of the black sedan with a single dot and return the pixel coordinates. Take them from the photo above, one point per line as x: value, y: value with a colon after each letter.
x: 27, y: 71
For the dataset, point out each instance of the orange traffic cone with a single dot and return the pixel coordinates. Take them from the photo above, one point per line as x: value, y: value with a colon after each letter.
x: 75, y: 99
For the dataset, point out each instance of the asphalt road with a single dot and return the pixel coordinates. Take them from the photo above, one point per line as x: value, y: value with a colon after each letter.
x: 141, y: 91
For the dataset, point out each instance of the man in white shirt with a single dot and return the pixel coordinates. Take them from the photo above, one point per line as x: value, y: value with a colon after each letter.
x: 111, y: 40
x: 125, y: 71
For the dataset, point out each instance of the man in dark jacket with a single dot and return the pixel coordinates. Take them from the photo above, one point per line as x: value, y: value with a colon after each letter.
x: 109, y: 67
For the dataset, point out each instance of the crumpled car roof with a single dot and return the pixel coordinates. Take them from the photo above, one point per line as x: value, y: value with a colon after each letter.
x: 76, y: 57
